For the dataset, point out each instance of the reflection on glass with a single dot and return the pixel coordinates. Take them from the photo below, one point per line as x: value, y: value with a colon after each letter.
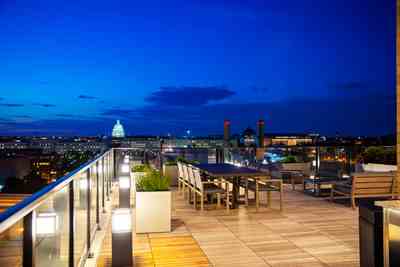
x: 11, y: 246
x: 52, y: 226
x: 93, y: 196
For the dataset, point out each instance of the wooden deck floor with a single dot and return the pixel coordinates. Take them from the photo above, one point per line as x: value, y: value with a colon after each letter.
x: 309, y: 232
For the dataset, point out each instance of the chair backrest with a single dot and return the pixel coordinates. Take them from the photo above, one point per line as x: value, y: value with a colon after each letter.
x: 275, y: 174
x: 191, y: 175
x: 305, y: 167
x: 331, y: 169
x: 197, y: 178
x: 374, y: 183
x: 180, y: 170
x: 185, y: 172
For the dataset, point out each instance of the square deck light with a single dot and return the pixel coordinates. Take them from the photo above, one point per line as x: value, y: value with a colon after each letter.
x: 46, y: 223
x: 124, y: 182
x: 124, y: 168
x: 121, y: 221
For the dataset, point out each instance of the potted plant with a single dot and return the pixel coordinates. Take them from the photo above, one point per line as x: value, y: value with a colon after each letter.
x: 137, y: 172
x: 153, y: 203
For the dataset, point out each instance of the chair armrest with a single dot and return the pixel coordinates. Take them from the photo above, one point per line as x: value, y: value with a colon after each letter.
x: 208, y: 182
x: 271, y: 181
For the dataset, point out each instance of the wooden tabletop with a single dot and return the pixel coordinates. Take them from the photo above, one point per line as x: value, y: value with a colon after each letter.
x: 228, y: 170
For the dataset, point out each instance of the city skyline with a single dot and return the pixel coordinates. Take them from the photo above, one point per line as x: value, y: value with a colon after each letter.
x: 166, y: 67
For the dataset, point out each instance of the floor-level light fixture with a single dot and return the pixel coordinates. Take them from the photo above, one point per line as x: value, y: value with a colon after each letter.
x: 121, y: 228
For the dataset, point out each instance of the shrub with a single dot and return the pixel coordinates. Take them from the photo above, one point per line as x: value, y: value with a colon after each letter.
x: 184, y: 160
x: 375, y: 154
x: 289, y: 159
x: 141, y: 168
x: 152, y: 181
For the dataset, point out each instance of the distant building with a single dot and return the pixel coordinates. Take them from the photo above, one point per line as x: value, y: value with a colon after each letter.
x: 249, y: 137
x: 287, y: 139
x: 227, y: 131
x: 118, y: 130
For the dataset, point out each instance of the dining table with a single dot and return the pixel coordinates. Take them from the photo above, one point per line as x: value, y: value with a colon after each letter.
x: 232, y: 173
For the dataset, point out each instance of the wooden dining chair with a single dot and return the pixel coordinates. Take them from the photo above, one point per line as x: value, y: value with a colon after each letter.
x: 186, y: 180
x: 180, y: 178
x: 259, y: 185
x: 191, y: 182
x: 206, y: 187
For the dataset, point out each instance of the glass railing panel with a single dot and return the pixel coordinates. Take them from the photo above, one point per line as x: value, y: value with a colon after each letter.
x: 80, y: 211
x: 52, y: 230
x: 11, y: 245
x: 93, y: 204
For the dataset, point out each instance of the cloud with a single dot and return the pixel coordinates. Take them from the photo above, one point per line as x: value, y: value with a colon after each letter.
x: 374, y: 114
x: 23, y: 116
x: 12, y: 105
x: 188, y: 95
x: 115, y: 112
x: 87, y: 97
x: 44, y: 105
x: 63, y: 115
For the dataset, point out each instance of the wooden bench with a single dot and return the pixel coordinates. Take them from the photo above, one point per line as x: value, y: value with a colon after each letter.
x: 366, y: 185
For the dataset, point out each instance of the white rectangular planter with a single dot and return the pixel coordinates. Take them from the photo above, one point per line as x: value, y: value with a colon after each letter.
x: 153, y: 212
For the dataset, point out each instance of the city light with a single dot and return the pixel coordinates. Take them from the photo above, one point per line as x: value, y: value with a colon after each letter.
x: 46, y: 223
x: 121, y: 221
x: 124, y: 182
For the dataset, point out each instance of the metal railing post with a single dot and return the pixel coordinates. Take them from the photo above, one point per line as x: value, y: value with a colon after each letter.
x: 97, y: 197
x: 71, y: 260
x: 28, y: 244
x: 114, y: 164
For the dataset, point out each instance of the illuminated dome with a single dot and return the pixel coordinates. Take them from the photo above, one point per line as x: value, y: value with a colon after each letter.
x: 118, y: 130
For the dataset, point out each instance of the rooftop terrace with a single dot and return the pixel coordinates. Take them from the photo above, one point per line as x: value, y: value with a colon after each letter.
x: 309, y: 232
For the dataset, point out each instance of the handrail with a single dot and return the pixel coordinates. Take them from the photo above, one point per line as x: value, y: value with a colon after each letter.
x: 15, y: 213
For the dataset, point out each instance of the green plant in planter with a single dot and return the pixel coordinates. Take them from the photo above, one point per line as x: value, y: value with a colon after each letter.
x: 141, y: 168
x: 184, y: 160
x: 153, y: 181
x: 289, y: 159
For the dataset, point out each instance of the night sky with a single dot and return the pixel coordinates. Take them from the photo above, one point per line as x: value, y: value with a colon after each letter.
x: 73, y: 68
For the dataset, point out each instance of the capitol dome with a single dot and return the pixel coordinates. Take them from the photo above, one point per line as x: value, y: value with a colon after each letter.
x: 118, y: 130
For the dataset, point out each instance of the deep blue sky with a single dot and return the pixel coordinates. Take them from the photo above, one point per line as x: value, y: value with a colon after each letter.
x: 166, y: 66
